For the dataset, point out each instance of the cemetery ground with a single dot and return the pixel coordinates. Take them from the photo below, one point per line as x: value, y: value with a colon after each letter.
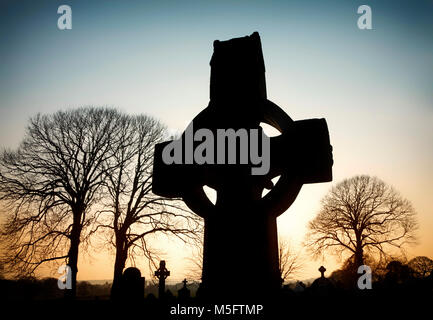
x: 324, y: 297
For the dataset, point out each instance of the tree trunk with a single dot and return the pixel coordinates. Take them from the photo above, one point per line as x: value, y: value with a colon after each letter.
x: 359, y: 258
x: 73, y: 256
x: 119, y: 265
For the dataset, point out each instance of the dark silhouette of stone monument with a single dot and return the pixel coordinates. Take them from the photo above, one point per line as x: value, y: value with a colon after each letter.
x: 132, y: 285
x: 240, y: 256
x: 184, y: 293
x: 322, y: 286
x: 162, y: 273
x: 322, y: 271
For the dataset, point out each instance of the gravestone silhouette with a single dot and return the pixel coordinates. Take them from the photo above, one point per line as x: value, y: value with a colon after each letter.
x: 322, y: 286
x: 162, y: 273
x: 240, y: 236
x: 322, y: 271
x: 132, y: 284
x: 184, y: 293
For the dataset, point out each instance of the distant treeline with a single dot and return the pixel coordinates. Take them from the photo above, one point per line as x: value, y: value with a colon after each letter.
x: 47, y: 289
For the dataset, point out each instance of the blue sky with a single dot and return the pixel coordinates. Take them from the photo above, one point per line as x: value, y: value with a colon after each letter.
x: 374, y: 87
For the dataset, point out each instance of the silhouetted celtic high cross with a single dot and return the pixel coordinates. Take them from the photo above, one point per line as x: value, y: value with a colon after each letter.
x: 240, y: 241
x: 162, y: 273
x: 322, y: 270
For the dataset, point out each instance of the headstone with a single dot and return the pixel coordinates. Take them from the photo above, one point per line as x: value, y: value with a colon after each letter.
x: 322, y: 270
x: 184, y: 293
x: 132, y: 284
x: 241, y: 228
x: 162, y: 273
x: 322, y: 286
x: 299, y: 287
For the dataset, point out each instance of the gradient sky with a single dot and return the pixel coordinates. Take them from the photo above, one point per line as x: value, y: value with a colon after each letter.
x: 374, y: 87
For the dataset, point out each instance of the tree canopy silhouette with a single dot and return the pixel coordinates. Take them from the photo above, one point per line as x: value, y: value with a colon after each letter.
x: 421, y: 266
x: 49, y: 184
x: 80, y: 168
x: 362, y: 215
x: 290, y: 263
x: 131, y: 212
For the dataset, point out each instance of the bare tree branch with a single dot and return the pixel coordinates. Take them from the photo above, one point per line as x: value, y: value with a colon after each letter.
x: 135, y: 213
x: 362, y: 215
x: 49, y: 184
x: 290, y: 263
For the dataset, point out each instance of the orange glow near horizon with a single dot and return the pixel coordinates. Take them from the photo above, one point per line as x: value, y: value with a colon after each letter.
x: 374, y: 87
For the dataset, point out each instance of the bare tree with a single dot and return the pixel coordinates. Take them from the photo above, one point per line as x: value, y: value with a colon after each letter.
x: 195, y: 268
x: 362, y: 215
x: 290, y: 262
x: 49, y: 184
x: 135, y: 213
x: 421, y: 266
